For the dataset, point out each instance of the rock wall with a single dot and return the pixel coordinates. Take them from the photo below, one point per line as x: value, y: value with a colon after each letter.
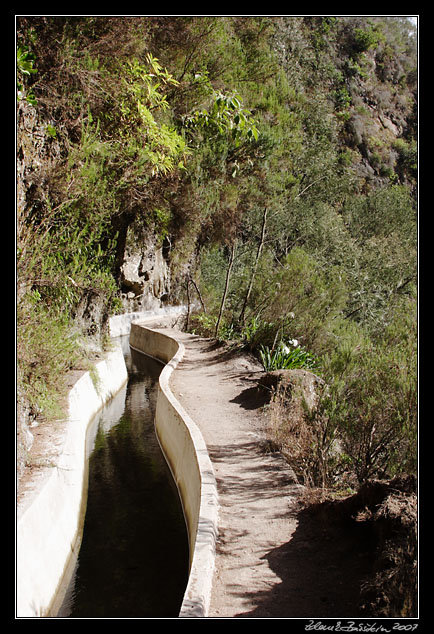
x: 144, y: 278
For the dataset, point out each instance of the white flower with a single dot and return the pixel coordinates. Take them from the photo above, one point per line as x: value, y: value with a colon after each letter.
x: 294, y: 343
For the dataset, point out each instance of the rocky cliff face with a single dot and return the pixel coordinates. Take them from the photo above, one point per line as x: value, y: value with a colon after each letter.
x: 145, y: 277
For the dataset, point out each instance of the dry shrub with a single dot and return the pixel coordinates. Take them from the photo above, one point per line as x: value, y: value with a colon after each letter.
x: 392, y: 591
x: 292, y: 428
x: 385, y: 513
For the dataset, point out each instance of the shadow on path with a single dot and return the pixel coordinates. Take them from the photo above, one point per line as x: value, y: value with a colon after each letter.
x: 321, y: 570
x: 252, y: 397
x: 254, y: 476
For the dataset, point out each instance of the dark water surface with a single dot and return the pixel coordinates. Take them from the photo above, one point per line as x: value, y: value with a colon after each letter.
x: 133, y: 561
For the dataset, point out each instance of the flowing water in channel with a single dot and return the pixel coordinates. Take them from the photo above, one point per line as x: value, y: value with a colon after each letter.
x: 133, y: 560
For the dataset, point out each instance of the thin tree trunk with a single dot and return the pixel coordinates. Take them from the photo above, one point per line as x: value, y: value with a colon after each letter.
x: 255, y: 267
x: 199, y: 294
x: 188, y: 305
x: 190, y: 280
x: 225, y: 292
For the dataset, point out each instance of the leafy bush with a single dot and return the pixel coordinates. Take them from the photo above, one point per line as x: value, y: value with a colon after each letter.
x: 226, y: 116
x: 300, y: 299
x: 25, y: 68
x: 372, y: 397
x: 366, y: 38
x: 363, y: 424
x: 46, y: 348
x: 306, y: 439
x: 256, y: 331
x: 283, y: 358
x: 407, y: 155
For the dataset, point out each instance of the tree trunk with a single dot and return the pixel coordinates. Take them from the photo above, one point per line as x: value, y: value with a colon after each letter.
x: 255, y: 267
x: 225, y: 292
x: 191, y: 280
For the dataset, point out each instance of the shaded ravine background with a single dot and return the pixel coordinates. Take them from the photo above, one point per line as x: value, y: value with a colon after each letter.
x: 133, y: 560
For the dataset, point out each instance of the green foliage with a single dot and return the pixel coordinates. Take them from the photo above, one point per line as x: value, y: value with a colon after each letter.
x: 204, y: 324
x: 51, y: 131
x: 25, y: 68
x: 25, y: 61
x: 408, y: 156
x: 62, y: 258
x: 372, y: 398
x: 47, y: 348
x: 147, y: 147
x: 366, y: 38
x: 364, y: 424
x: 283, y: 358
x: 342, y: 98
x: 255, y: 331
x: 225, y: 117
x: 384, y: 233
x: 187, y: 128
x: 299, y: 299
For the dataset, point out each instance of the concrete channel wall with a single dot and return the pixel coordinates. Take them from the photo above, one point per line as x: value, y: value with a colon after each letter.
x: 49, y: 522
x: 121, y: 324
x: 187, y: 455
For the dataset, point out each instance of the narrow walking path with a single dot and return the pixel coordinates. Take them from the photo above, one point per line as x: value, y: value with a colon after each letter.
x: 273, y: 559
x: 256, y: 489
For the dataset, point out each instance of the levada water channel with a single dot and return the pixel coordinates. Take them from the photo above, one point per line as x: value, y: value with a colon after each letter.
x: 133, y: 559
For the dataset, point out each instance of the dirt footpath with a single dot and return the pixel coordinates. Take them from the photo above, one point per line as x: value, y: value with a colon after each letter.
x: 272, y: 560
